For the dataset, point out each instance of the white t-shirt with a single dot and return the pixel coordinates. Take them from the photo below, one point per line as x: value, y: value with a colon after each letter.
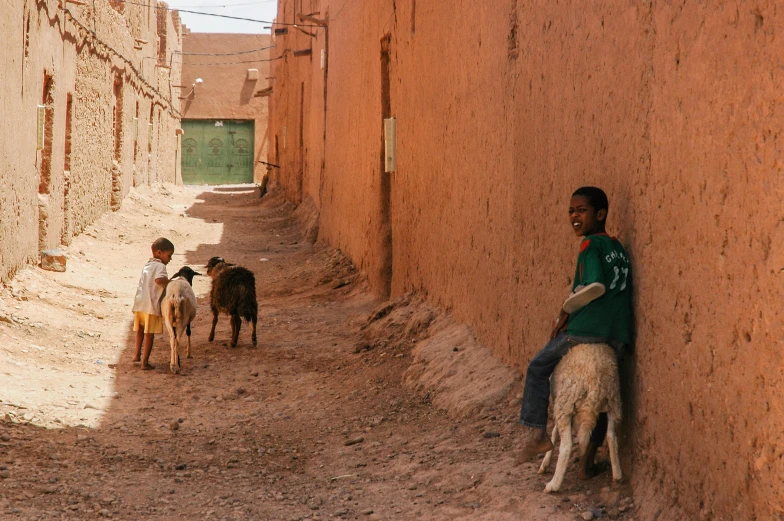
x: 148, y: 294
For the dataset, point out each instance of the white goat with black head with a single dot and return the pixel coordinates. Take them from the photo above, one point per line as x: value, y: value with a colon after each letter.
x: 178, y: 307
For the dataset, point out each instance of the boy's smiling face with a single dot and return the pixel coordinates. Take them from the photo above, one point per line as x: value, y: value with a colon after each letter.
x: 585, y: 220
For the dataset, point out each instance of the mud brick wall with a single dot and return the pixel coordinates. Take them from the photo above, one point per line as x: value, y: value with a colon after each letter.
x: 93, y: 68
x: 502, y: 111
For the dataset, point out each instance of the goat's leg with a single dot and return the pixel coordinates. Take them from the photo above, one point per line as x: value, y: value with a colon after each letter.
x: 253, y: 335
x: 549, y: 455
x: 214, y: 323
x: 612, y: 443
x: 236, y: 321
x: 188, y: 333
x: 564, y: 425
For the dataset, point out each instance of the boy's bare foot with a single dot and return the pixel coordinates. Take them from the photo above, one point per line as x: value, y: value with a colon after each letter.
x: 136, y: 360
x: 537, y: 443
x: 147, y: 367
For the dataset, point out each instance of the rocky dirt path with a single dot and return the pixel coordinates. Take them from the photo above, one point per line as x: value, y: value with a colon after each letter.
x: 349, y: 408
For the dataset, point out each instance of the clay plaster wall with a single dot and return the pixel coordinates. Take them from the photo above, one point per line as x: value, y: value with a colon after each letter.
x: 226, y: 91
x: 51, y: 57
x: 297, y: 145
x: 504, y: 109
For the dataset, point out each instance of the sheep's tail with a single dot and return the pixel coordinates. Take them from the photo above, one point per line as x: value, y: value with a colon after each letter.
x: 175, y: 312
x: 585, y: 419
x: 249, y: 309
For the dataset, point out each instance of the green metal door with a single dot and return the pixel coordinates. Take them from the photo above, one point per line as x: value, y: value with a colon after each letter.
x: 217, y: 152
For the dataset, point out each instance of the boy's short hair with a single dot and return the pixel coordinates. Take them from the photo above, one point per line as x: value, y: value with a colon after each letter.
x: 162, y: 244
x: 596, y: 197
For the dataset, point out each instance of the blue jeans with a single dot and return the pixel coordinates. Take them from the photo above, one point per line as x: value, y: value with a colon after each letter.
x: 536, y: 395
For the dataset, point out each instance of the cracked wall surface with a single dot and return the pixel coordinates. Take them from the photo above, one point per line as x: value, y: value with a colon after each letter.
x: 502, y: 111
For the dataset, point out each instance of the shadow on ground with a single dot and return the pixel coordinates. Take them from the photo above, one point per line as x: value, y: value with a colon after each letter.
x: 314, y: 423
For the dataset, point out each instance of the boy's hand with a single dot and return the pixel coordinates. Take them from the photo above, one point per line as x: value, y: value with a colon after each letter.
x: 560, y: 324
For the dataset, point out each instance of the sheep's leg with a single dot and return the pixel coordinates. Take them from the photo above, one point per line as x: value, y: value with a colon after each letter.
x: 612, y: 443
x: 586, y: 421
x: 253, y: 335
x: 188, y: 332
x: 586, y: 467
x: 565, y: 430
x: 174, y: 361
x: 549, y: 455
x: 214, y: 323
x: 584, y: 435
x: 236, y: 321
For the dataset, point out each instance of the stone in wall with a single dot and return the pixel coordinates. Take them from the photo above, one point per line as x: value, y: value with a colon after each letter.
x: 53, y: 260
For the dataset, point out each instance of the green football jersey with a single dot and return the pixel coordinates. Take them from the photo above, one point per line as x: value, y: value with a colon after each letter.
x: 603, y: 259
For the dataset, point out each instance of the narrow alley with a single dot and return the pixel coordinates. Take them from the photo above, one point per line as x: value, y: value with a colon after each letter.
x: 348, y: 408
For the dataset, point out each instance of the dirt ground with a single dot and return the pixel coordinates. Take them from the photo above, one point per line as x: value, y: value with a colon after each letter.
x: 348, y: 408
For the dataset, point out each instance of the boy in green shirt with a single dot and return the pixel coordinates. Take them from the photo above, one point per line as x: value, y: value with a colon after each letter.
x: 597, y: 311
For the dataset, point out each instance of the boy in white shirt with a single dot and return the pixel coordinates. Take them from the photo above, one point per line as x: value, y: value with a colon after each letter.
x: 147, y: 321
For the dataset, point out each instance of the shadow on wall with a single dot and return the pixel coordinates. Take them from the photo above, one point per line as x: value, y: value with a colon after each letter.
x: 187, y: 100
x: 248, y: 88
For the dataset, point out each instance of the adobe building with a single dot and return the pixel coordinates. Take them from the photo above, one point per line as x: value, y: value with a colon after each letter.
x: 224, y: 93
x: 87, y: 114
x: 501, y: 112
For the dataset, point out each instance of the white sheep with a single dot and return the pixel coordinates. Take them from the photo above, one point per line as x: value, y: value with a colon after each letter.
x: 585, y: 383
x: 178, y: 307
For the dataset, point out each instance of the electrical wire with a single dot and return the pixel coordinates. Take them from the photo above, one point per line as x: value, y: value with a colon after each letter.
x: 226, y: 5
x: 129, y: 2
x: 388, y: 19
x: 223, y: 53
x: 130, y: 64
x: 331, y: 18
x: 192, y: 64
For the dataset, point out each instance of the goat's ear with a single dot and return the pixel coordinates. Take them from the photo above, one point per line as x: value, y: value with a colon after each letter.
x: 197, y: 273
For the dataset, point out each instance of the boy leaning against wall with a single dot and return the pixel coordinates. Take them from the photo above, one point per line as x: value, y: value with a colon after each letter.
x: 597, y: 311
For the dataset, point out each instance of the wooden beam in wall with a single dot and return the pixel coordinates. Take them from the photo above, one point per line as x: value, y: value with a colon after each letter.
x: 312, y: 19
x: 300, y: 29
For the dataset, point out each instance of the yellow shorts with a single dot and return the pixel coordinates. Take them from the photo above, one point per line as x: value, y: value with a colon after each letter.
x: 152, y: 323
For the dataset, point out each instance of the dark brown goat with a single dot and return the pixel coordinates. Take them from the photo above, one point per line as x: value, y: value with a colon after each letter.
x: 234, y: 293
